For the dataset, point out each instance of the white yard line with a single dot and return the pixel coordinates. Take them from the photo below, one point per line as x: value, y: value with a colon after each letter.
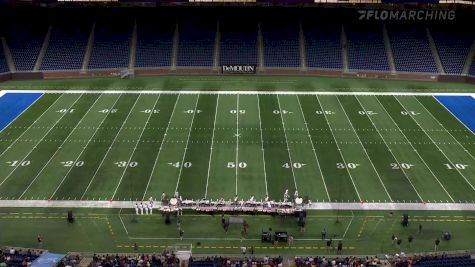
x: 454, y: 114
x: 37, y: 143
x: 135, y: 148
x: 19, y: 115
x: 287, y: 144
x: 211, y: 148
x: 314, y: 206
x: 26, y: 130
x: 366, y: 153
x: 348, y: 227
x: 109, y: 149
x: 186, y: 146
x: 465, y: 178
x: 160, y: 149
x: 262, y: 143
x: 314, y: 150
x: 445, y: 129
x: 240, y: 92
x: 237, y: 143
x: 59, y: 147
x: 339, y: 149
x: 390, y: 151
x: 413, y: 148
x: 123, y: 224
x: 83, y: 149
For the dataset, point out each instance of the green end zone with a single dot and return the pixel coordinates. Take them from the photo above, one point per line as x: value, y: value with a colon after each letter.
x: 363, y: 149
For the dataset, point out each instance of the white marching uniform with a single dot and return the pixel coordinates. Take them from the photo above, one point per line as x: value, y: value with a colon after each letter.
x: 136, y: 208
x: 141, y: 208
x: 146, y: 208
x: 150, y: 207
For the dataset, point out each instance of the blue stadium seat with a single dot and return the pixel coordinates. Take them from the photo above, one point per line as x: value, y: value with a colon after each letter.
x: 366, y: 50
x: 453, y: 48
x: 3, y: 63
x: 67, y: 47
x: 281, y: 44
x: 238, y: 44
x: 196, y: 43
x: 411, y: 49
x: 323, y: 46
x: 154, y: 45
x: 25, y: 44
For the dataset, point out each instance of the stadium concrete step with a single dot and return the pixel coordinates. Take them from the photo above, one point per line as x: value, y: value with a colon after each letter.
x: 8, y: 55
x: 42, y: 53
x: 389, y: 50
x: 435, y: 53
x: 90, y: 43
x: 470, y: 58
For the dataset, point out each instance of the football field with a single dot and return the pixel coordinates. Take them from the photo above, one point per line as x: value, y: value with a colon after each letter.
x: 331, y: 147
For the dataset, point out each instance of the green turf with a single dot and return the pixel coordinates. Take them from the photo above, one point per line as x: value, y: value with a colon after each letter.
x: 303, y: 83
x: 338, y: 148
x: 106, y: 230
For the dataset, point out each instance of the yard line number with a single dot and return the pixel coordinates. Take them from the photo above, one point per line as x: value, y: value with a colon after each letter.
x: 349, y: 165
x: 71, y: 163
x: 325, y: 112
x: 148, y: 111
x: 65, y: 110
x: 123, y: 164
x: 191, y: 111
x: 276, y: 111
x: 232, y: 165
x: 178, y: 164
x: 114, y: 110
x: 234, y: 111
x: 458, y: 166
x: 409, y: 112
x: 367, y: 112
x: 295, y: 165
x: 19, y: 163
x: 397, y: 166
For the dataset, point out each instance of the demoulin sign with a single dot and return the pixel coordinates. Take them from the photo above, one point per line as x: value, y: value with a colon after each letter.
x: 238, y: 69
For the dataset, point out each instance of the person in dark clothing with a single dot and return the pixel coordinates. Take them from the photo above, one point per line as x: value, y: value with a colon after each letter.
x: 437, y: 242
x: 420, y: 228
x: 340, y: 247
x: 324, y: 233
x: 409, y: 240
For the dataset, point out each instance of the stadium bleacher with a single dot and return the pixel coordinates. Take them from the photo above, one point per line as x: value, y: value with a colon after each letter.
x: 196, y: 43
x: 3, y: 63
x: 25, y: 42
x: 111, y: 45
x: 323, y: 46
x: 67, y: 46
x: 154, y: 44
x: 453, y: 47
x: 411, y: 49
x: 281, y: 43
x: 18, y: 258
x: 238, y: 43
x: 366, y: 50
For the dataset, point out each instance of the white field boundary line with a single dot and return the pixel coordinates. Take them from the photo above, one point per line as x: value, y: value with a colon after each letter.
x: 34, y: 122
x: 83, y: 149
x: 339, y: 149
x: 394, y: 156
x: 348, y: 227
x: 432, y: 140
x: 135, y: 147
x: 448, y: 110
x: 211, y: 148
x: 2, y: 93
x: 236, y: 92
x: 314, y: 206
x: 237, y: 144
x: 21, y: 113
x: 445, y: 129
x: 366, y: 153
x: 37, y: 143
x: 313, y: 148
x: 110, y: 147
x: 123, y: 224
x: 160, y: 148
x: 186, y: 146
x: 59, y: 147
x: 287, y: 144
x: 262, y: 144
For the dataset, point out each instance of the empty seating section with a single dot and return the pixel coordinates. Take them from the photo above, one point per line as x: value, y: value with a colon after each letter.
x: 366, y: 50
x: 67, y: 47
x: 111, y: 46
x: 196, y: 44
x: 25, y: 45
x: 460, y: 261
x: 281, y: 44
x: 323, y: 46
x: 239, y: 46
x: 3, y: 62
x: 411, y: 49
x: 453, y: 48
x: 472, y: 68
x: 154, y: 45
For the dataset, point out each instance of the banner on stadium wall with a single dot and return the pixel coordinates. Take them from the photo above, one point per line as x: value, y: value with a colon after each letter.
x: 238, y: 69
x: 406, y: 15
